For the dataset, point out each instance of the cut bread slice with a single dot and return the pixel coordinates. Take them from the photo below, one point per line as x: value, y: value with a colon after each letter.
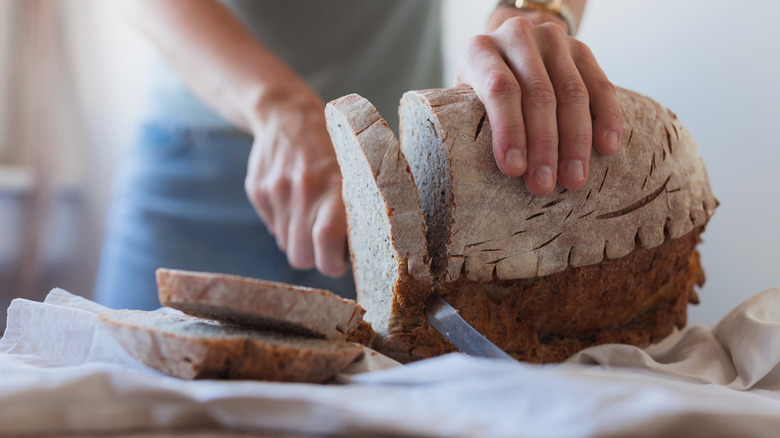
x: 194, y: 348
x: 386, y: 228
x: 258, y: 303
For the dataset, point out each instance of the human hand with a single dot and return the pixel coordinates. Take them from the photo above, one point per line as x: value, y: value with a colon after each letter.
x: 547, y: 99
x: 294, y: 183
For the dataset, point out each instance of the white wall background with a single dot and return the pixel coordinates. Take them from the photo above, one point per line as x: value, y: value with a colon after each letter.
x: 716, y: 64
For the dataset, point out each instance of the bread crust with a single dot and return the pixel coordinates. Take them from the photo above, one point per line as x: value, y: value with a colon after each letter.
x: 259, y: 303
x: 194, y: 348
x: 636, y: 299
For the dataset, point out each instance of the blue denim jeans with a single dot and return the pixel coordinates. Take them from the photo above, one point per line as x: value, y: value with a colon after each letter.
x: 179, y: 202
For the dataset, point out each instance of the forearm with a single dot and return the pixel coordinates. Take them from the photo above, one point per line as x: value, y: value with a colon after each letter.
x: 214, y: 54
x: 502, y: 13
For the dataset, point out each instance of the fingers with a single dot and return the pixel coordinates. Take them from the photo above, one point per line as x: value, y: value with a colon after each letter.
x: 538, y: 106
x: 294, y: 183
x: 297, y: 207
x: 549, y: 110
x: 604, y: 103
x: 256, y: 197
x: 274, y: 192
x: 302, y: 207
x: 330, y: 236
x: 494, y: 82
x: 311, y: 228
x: 574, y: 122
x: 318, y: 232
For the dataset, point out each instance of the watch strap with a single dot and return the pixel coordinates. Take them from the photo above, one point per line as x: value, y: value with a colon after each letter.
x: 555, y: 7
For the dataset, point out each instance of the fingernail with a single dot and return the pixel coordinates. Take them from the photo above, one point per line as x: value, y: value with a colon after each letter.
x: 544, y: 176
x: 575, y: 170
x: 612, y: 139
x: 514, y: 159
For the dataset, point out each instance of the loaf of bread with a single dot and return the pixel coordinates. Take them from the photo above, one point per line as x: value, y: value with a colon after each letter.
x: 542, y: 277
x: 195, y: 348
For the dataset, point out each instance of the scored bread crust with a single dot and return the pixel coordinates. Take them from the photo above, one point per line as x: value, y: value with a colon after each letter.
x: 259, y: 303
x: 375, y: 145
x: 193, y: 348
x: 655, y: 188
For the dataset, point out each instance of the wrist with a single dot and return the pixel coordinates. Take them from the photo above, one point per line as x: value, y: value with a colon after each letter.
x: 557, y: 12
x: 286, y: 95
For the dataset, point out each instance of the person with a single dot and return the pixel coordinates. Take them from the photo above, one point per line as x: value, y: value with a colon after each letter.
x: 234, y: 170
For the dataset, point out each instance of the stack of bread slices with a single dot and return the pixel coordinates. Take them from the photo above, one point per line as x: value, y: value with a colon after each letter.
x: 240, y: 328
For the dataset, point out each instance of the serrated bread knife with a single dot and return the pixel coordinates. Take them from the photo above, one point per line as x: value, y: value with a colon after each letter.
x: 446, y: 320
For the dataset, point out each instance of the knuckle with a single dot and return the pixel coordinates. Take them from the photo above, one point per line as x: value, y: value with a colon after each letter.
x: 517, y: 27
x: 612, y: 115
x: 512, y: 130
x: 479, y: 43
x: 277, y: 187
x: 307, y: 187
x: 254, y: 192
x: 606, y: 86
x: 547, y: 144
x: 501, y: 85
x: 581, y: 141
x: 539, y: 91
x: 615, y: 116
x: 302, y: 181
x: 325, y: 232
x: 329, y: 236
x: 330, y: 225
x: 579, y: 49
x: 300, y: 250
x: 553, y: 30
x: 573, y: 90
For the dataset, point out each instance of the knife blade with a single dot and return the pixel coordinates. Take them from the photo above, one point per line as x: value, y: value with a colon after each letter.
x: 446, y: 320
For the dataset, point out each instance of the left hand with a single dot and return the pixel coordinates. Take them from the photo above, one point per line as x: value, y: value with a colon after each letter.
x: 293, y: 179
x: 547, y: 99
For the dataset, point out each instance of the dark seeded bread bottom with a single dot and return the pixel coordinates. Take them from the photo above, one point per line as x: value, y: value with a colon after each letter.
x: 637, y: 299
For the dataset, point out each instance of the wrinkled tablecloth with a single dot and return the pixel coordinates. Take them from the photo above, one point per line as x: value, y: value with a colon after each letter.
x: 62, y: 372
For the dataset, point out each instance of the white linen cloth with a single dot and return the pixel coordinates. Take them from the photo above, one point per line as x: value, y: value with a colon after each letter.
x: 61, y: 372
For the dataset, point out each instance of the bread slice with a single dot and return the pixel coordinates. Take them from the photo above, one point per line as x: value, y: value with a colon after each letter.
x: 386, y: 228
x: 258, y: 303
x: 542, y: 277
x: 194, y: 348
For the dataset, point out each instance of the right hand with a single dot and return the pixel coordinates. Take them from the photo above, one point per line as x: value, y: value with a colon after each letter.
x: 547, y: 99
x: 294, y: 183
